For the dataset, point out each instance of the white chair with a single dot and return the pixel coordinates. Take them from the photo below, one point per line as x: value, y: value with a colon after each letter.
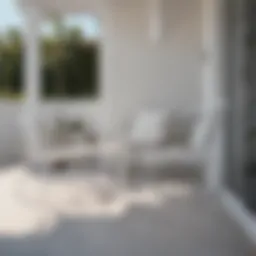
x: 159, y: 139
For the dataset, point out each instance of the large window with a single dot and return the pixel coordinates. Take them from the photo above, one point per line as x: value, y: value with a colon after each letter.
x: 10, y: 50
x: 11, y: 64
x: 70, y: 55
x: 70, y: 59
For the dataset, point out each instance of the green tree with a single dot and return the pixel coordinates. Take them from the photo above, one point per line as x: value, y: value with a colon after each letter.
x: 13, y: 37
x: 69, y: 62
x: 60, y: 51
x: 10, y: 60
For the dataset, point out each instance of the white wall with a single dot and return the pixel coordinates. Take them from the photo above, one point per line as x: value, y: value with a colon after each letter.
x: 135, y: 73
x: 140, y: 73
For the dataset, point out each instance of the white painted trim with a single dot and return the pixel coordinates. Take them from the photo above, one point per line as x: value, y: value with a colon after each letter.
x: 238, y: 212
x: 32, y: 79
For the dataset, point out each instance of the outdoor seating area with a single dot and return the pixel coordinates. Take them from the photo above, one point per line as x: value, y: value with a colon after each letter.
x: 155, y: 141
x: 126, y: 128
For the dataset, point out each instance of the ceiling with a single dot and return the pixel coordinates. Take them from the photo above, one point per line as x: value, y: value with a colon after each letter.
x: 64, y: 6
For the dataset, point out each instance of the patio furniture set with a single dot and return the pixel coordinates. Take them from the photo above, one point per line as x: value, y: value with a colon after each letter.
x: 155, y: 140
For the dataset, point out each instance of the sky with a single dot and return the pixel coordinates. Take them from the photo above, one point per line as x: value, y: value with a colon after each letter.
x: 10, y: 16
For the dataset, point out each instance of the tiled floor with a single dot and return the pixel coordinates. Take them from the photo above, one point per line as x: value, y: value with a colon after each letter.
x: 192, y: 225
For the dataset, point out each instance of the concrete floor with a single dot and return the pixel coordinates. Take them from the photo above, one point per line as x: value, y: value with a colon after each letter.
x: 194, y: 225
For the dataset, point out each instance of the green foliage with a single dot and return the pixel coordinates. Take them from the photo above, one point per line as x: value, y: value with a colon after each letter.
x: 69, y: 67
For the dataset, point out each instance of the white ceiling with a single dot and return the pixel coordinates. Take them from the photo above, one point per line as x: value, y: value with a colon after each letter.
x: 64, y: 6
x: 90, y: 6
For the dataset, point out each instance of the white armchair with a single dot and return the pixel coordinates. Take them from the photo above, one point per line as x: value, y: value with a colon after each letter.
x: 159, y: 139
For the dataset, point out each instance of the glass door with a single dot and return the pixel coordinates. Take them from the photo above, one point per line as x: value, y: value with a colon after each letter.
x: 250, y: 71
x: 235, y: 97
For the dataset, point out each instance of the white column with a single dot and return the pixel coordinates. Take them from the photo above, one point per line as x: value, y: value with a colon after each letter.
x: 213, y: 83
x: 32, y: 82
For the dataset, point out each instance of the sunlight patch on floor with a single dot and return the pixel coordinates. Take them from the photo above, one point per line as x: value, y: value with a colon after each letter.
x: 31, y: 203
